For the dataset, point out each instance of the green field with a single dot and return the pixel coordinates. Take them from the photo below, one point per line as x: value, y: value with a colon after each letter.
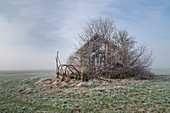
x: 148, y: 97
x: 161, y: 71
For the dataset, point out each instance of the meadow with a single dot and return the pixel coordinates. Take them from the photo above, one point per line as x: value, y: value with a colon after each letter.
x: 161, y: 71
x: 134, y: 96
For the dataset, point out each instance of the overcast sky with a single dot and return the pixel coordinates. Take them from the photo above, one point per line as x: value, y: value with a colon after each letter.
x: 31, y: 31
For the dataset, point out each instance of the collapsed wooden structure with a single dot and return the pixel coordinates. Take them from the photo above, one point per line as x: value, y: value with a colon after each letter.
x: 99, y: 56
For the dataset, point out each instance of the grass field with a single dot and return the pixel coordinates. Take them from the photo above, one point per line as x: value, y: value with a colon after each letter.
x: 148, y: 97
x: 161, y: 71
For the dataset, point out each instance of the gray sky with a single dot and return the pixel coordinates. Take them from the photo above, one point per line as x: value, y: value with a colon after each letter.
x: 31, y: 31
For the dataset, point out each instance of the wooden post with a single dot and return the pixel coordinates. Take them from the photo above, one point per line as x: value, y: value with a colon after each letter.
x: 57, y: 67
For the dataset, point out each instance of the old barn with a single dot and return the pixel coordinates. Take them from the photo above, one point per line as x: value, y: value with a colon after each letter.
x: 98, y: 55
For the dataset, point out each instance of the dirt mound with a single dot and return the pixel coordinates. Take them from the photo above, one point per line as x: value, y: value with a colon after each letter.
x: 77, y: 86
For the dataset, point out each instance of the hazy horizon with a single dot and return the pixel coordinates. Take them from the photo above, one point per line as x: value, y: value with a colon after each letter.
x: 31, y: 32
x: 55, y: 69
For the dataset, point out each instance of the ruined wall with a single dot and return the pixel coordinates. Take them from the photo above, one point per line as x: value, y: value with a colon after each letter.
x: 98, y: 56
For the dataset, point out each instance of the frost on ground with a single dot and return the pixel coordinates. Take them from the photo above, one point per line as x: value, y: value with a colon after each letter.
x: 42, y: 94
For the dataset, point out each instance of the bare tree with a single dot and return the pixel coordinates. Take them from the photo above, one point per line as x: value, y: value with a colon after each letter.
x: 74, y: 60
x: 103, y: 27
x: 121, y: 57
x: 135, y: 60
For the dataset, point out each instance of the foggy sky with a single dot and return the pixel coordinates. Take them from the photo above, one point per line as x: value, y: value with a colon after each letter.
x: 31, y: 31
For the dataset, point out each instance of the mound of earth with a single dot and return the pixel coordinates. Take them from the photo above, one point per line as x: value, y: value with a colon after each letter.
x: 76, y: 86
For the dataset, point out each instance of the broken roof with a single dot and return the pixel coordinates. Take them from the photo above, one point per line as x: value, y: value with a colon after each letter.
x: 95, y: 37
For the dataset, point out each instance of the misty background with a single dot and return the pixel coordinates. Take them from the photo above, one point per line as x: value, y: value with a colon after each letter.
x: 31, y: 31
